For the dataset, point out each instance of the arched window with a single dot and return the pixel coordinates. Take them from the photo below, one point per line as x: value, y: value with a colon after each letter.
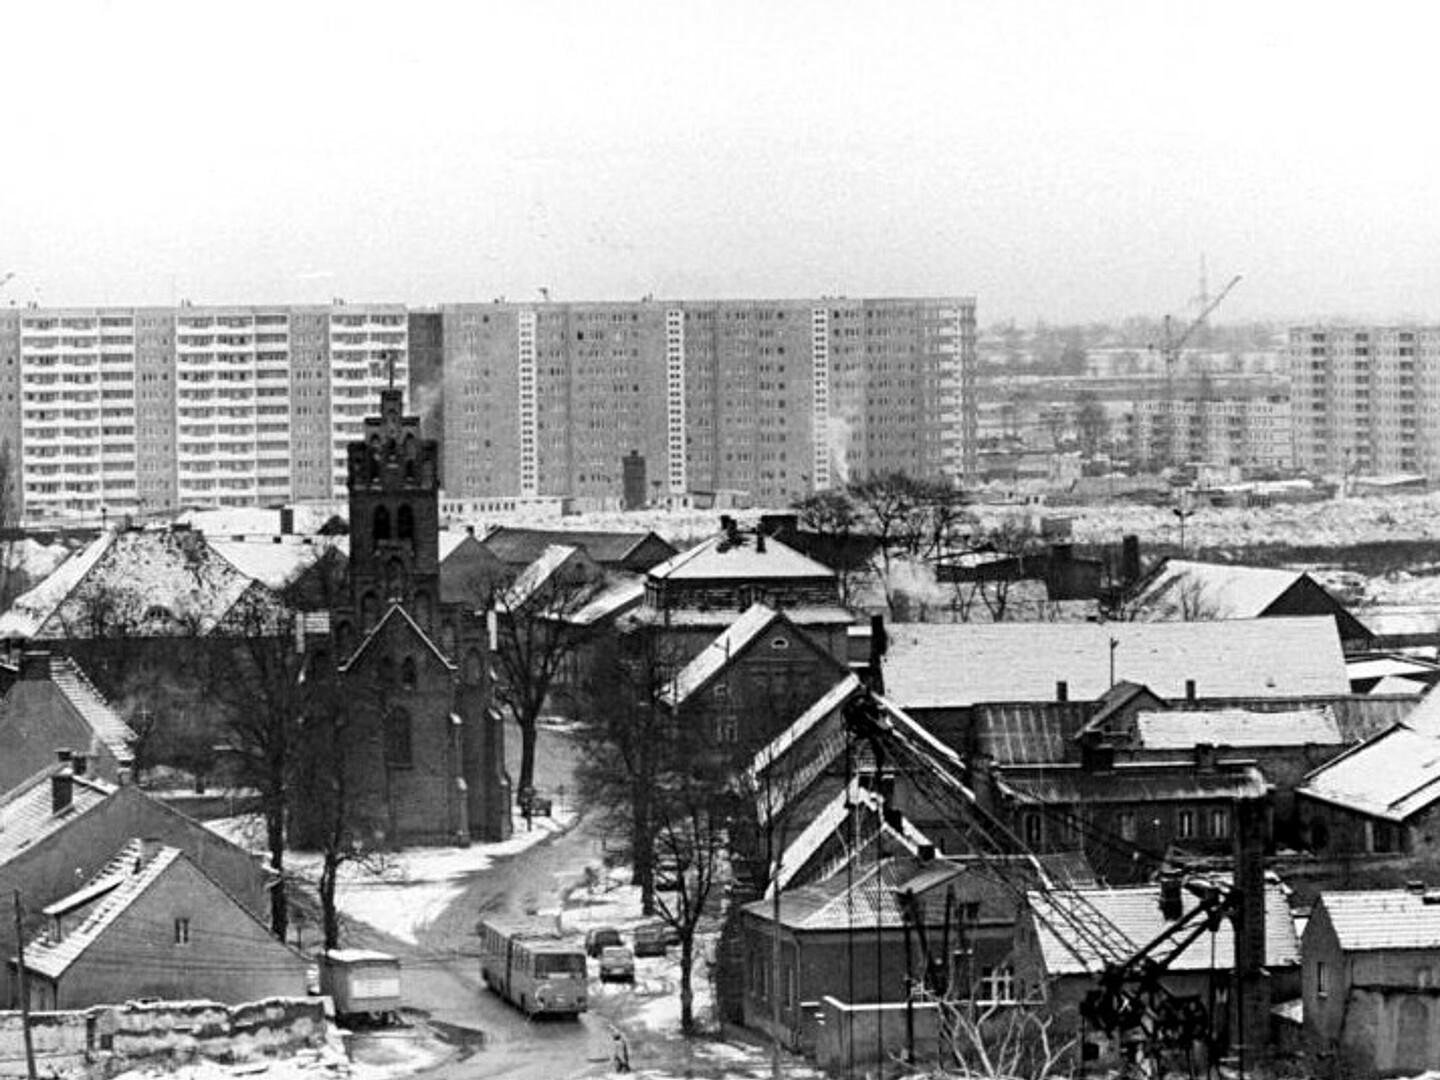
x: 398, y: 751
x: 405, y: 523
x: 382, y: 525
x: 408, y: 673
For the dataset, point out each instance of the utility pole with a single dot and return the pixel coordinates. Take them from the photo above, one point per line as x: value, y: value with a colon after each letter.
x: 24, y: 988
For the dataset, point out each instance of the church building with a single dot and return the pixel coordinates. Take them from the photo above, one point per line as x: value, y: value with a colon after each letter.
x: 429, y: 751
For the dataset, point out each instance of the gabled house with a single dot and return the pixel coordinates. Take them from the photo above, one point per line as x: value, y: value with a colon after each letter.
x: 631, y: 551
x: 1380, y: 799
x: 153, y: 924
x: 61, y: 825
x: 470, y: 573
x: 1190, y: 590
x: 748, y: 684
x: 1371, y: 973
x: 54, y: 705
x: 692, y: 597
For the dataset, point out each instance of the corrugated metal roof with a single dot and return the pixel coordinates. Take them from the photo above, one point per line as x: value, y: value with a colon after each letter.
x: 1121, y: 920
x: 1382, y: 919
x: 948, y: 665
x: 1024, y: 733
x: 1183, y: 728
x: 1133, y: 782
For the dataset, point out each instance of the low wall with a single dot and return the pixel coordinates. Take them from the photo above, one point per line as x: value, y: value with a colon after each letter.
x: 864, y: 1036
x: 121, y: 1035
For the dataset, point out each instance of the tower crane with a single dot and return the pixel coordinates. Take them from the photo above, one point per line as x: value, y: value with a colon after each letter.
x: 1170, y: 348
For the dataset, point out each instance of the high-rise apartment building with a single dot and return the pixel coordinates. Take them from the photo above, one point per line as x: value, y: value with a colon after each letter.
x: 775, y: 399
x: 1365, y: 400
x: 1234, y: 429
x: 125, y: 410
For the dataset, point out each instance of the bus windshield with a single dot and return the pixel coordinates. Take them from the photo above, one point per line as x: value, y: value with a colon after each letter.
x: 560, y: 964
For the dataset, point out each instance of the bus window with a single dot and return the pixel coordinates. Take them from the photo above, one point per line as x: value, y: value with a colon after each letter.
x: 560, y: 964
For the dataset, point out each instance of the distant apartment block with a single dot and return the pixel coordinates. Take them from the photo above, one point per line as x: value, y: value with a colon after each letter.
x: 115, y: 411
x: 770, y: 398
x: 1366, y: 399
x: 130, y: 410
x: 1240, y: 430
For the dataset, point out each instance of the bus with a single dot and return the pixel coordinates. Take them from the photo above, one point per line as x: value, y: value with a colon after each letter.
x: 532, y: 965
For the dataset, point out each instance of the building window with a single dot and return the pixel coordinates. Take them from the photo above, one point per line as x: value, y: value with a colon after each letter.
x: 407, y: 673
x: 397, y: 739
x: 1185, y: 825
x: 182, y: 931
x: 997, y: 986
x: 1322, y: 979
x: 727, y: 729
x: 1034, y: 833
x: 1382, y: 837
x: 1220, y: 823
x: 1127, y: 825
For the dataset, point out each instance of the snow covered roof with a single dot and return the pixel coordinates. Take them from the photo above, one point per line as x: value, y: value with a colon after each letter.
x: 1382, y: 919
x: 715, y: 657
x: 616, y: 595
x: 27, y: 812
x: 951, y: 665
x: 80, y: 692
x: 1394, y: 775
x: 1185, y: 588
x: 1184, y: 729
x: 833, y: 816
x: 826, y: 704
x: 867, y: 898
x: 276, y: 561
x: 520, y: 546
x: 534, y: 577
x: 740, y: 556
x: 255, y: 520
x: 150, y: 582
x: 123, y: 880
x: 1120, y: 920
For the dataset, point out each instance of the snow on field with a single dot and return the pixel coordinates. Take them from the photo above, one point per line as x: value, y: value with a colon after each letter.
x: 413, y: 886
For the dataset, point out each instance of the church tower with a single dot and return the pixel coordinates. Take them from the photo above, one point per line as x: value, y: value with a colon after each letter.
x: 394, y: 517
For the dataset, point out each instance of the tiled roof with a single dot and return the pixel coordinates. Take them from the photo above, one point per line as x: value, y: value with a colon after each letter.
x: 1132, y: 782
x: 723, y: 558
x: 715, y: 657
x: 948, y: 665
x: 1382, y: 919
x: 1394, y: 775
x: 92, y: 707
x: 520, y: 547
x: 1080, y: 930
x: 119, y: 885
x: 1184, y: 588
x: 27, y: 815
x: 1184, y: 729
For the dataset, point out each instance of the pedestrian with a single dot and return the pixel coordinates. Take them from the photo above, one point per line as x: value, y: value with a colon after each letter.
x: 619, y: 1052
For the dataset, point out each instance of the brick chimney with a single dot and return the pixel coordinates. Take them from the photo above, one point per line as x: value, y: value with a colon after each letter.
x: 62, y: 791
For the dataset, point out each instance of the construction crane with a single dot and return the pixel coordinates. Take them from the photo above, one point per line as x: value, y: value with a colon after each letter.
x: 1170, y: 348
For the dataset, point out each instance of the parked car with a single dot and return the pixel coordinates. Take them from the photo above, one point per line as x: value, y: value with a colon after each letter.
x: 617, y: 964
x: 601, y: 938
x: 651, y: 940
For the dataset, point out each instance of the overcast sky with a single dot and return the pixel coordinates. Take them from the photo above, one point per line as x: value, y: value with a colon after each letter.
x: 1065, y: 160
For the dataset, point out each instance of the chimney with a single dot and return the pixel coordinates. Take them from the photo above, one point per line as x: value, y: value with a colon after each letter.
x: 79, y: 763
x: 1130, y: 559
x: 287, y: 521
x: 1416, y: 887
x: 727, y: 523
x: 760, y: 543
x: 1172, y: 902
x: 925, y: 853
x: 62, y: 791
x: 469, y: 530
x: 1062, y: 691
x: 34, y: 666
x: 1190, y: 690
x: 1206, y: 759
x: 1097, y: 756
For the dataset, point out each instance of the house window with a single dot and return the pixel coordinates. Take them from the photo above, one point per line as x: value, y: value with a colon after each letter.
x: 407, y: 673
x: 1033, y: 830
x: 1185, y: 824
x: 182, y: 931
x: 1322, y: 979
x: 1382, y: 837
x: 397, y: 739
x: 780, y: 643
x: 1127, y: 825
x: 727, y: 729
x: 997, y: 986
x: 721, y: 691
x: 1220, y: 823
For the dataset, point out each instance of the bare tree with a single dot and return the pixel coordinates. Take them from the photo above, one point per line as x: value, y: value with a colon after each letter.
x: 538, y: 633
x: 835, y: 518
